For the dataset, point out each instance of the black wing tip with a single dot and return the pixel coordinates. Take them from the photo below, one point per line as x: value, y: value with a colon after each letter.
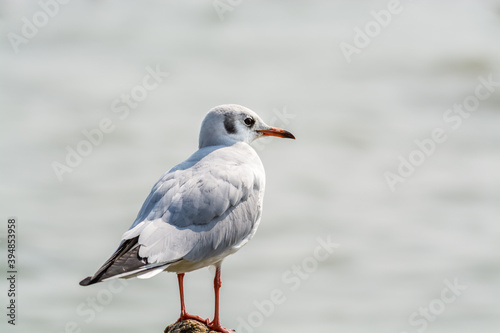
x: 102, y: 273
x: 87, y: 281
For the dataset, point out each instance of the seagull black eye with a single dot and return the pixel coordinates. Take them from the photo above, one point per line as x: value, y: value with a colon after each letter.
x: 249, y: 121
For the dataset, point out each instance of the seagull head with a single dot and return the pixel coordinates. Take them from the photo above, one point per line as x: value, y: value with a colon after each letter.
x: 231, y: 123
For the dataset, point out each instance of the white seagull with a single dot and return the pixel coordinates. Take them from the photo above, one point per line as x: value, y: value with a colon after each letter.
x: 200, y: 211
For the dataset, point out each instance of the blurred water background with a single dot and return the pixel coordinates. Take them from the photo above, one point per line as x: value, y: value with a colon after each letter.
x: 354, y: 121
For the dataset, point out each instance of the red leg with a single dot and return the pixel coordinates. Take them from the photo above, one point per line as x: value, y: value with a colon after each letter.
x: 215, y: 324
x: 184, y: 314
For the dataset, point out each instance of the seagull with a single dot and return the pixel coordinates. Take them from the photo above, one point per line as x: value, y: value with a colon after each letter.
x: 201, y: 210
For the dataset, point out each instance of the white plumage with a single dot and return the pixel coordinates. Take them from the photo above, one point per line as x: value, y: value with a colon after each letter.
x: 203, y: 209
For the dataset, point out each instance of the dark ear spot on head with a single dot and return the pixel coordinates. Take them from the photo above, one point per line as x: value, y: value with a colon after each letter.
x: 229, y: 125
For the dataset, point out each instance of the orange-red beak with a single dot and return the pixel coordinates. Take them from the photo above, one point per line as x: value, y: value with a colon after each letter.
x: 274, y: 131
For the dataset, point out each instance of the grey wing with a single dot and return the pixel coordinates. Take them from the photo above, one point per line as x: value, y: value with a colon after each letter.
x: 198, y: 213
x: 194, y: 212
